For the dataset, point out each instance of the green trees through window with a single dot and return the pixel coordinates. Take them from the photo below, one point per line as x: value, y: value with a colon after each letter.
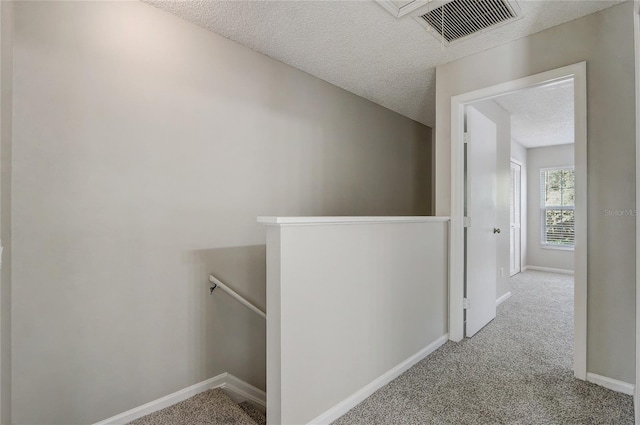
x: 557, y: 187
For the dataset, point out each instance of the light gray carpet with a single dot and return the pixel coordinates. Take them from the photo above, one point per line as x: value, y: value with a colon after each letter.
x: 254, y: 412
x: 211, y: 407
x: 517, y: 370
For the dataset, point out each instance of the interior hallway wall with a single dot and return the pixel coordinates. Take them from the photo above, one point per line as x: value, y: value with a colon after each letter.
x: 144, y: 149
x: 604, y: 41
x: 545, y: 157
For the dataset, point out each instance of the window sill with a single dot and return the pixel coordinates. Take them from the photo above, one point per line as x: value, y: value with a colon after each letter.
x: 557, y: 247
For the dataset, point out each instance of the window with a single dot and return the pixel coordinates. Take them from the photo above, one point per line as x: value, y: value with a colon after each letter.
x: 557, y: 204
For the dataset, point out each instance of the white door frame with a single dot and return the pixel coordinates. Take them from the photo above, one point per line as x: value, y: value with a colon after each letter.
x: 522, y: 201
x: 456, y: 244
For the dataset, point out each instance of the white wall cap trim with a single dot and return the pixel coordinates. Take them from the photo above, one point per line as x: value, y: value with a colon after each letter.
x: 288, y: 221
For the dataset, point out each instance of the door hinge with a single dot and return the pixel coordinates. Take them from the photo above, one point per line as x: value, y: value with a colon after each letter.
x: 465, y: 138
x: 467, y: 222
x: 465, y: 303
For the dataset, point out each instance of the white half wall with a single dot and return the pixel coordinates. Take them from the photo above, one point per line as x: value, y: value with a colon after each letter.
x: 347, y: 303
x: 538, y: 158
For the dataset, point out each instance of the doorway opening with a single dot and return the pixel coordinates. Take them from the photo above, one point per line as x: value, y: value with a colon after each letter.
x: 561, y: 226
x: 532, y: 130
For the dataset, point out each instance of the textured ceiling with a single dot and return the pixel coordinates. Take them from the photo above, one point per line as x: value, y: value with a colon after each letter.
x: 359, y: 46
x: 541, y: 116
x: 401, y: 3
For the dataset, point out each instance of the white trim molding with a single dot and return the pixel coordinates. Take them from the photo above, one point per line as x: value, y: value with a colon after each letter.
x: 235, y: 388
x: 359, y: 396
x: 398, y: 12
x: 548, y: 270
x: 503, y: 298
x: 578, y: 72
x: 239, y: 391
x: 322, y: 220
x: 610, y: 383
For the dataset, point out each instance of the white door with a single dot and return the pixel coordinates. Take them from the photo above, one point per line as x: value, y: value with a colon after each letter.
x: 481, y: 235
x: 515, y: 215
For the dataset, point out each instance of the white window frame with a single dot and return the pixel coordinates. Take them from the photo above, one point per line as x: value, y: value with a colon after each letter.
x: 544, y: 208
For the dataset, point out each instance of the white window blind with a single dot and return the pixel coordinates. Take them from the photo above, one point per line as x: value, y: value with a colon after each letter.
x: 557, y: 205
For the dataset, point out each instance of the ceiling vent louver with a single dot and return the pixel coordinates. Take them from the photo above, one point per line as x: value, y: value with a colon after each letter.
x: 459, y: 19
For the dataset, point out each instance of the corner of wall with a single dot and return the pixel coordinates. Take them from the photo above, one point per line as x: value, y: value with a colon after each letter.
x: 423, y: 172
x: 432, y: 164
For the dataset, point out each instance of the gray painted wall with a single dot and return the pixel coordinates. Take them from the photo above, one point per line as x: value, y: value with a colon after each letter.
x: 604, y: 40
x: 6, y: 113
x: 549, y: 156
x: 519, y: 153
x: 502, y: 119
x: 144, y: 149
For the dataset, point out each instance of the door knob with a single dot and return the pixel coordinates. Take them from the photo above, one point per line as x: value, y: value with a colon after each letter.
x: 496, y: 230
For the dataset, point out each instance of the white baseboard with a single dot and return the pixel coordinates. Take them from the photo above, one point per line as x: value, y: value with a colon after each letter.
x: 548, y: 270
x: 235, y: 388
x: 356, y: 398
x: 612, y: 384
x: 239, y: 391
x: 503, y: 298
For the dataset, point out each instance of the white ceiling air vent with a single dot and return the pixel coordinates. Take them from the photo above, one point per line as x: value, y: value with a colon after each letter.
x: 459, y: 19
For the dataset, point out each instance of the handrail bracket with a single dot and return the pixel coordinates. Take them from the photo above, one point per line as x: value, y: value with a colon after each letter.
x: 216, y: 283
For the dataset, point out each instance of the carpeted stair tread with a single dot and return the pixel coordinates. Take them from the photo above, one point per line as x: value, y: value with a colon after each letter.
x: 256, y: 414
x: 211, y: 407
